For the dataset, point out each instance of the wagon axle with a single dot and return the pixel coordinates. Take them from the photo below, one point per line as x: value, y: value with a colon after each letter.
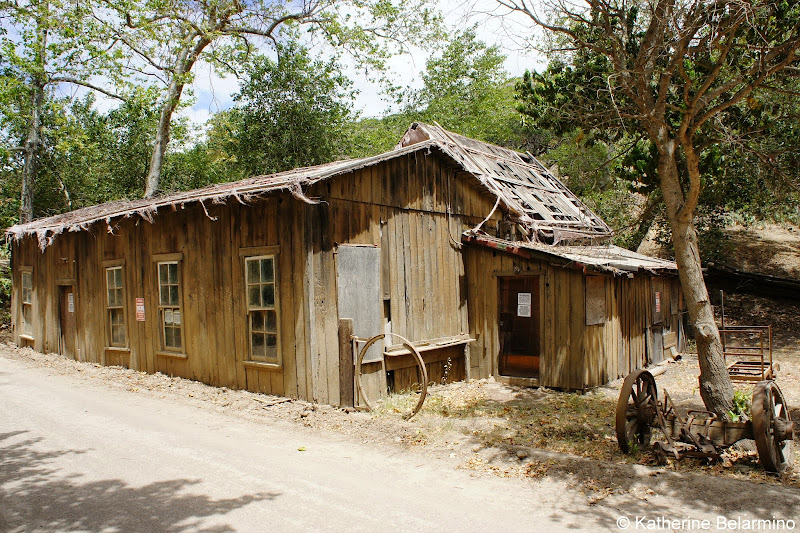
x: 701, y: 434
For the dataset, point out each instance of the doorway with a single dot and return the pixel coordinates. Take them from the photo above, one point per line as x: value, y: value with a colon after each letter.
x: 519, y: 326
x: 66, y: 320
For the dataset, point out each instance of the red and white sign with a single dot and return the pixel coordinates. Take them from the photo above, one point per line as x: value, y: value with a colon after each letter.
x: 658, y: 302
x: 140, y: 309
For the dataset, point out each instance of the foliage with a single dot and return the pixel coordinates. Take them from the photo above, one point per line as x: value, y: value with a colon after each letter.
x: 371, y: 136
x: 466, y: 89
x: 741, y: 406
x: 44, y: 45
x: 87, y: 156
x: 738, y: 176
x: 683, y: 76
x: 290, y: 113
x: 166, y: 38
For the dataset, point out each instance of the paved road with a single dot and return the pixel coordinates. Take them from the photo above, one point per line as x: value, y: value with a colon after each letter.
x: 78, y: 456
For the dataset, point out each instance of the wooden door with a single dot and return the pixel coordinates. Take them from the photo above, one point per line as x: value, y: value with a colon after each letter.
x: 66, y: 318
x: 519, y: 326
x: 358, y: 283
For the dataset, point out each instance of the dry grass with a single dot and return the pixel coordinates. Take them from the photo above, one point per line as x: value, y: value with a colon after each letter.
x: 497, y: 416
x: 555, y: 421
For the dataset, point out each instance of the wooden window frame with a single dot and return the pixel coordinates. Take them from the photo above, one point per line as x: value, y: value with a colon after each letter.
x: 116, y: 265
x: 26, y: 303
x: 170, y: 259
x: 258, y: 254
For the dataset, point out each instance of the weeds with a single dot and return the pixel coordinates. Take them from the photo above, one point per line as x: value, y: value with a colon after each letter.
x: 741, y: 406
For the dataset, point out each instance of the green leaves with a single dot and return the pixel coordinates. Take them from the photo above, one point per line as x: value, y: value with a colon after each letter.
x: 290, y: 113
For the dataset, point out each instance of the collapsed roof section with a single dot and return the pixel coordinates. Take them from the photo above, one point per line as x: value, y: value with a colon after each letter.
x: 545, y: 208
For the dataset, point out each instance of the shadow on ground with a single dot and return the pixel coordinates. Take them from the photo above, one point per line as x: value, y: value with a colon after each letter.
x: 527, y: 428
x: 34, y: 496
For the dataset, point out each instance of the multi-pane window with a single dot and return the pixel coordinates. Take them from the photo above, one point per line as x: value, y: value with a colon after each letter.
x: 262, y: 313
x: 27, y: 302
x: 169, y: 304
x: 115, y: 305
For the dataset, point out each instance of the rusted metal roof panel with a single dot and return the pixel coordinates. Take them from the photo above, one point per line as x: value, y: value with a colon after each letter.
x: 605, y: 258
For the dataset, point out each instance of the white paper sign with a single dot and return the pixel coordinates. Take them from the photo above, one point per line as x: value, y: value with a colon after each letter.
x: 524, y: 298
x: 168, y: 316
x: 71, y: 302
x: 140, y: 309
x: 523, y: 310
x: 176, y: 318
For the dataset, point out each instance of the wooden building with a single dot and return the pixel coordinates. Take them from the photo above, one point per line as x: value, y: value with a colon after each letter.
x: 476, y: 253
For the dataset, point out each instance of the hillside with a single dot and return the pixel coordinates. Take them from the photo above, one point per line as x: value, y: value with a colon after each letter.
x: 768, y: 249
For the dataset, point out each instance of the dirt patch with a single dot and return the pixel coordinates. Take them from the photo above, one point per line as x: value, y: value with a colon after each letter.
x: 770, y: 249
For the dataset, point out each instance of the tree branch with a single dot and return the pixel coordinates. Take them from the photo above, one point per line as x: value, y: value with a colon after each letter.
x: 88, y: 85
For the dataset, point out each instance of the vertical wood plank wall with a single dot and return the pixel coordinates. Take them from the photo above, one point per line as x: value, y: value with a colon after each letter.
x: 413, y: 207
x: 400, y: 205
x: 215, y: 317
x: 574, y: 355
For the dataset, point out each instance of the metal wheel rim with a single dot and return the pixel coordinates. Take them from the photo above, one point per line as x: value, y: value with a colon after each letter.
x: 636, y: 410
x: 420, y: 365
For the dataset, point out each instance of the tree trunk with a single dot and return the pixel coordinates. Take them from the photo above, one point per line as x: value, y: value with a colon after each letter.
x: 34, y: 138
x: 186, y: 60
x: 31, y: 151
x: 162, y: 138
x: 716, y: 388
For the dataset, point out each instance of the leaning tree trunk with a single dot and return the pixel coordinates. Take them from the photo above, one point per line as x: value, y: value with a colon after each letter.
x: 716, y: 388
x: 162, y: 138
x: 186, y: 60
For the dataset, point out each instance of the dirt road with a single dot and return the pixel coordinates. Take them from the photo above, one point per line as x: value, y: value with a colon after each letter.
x: 78, y: 457
x: 82, y: 454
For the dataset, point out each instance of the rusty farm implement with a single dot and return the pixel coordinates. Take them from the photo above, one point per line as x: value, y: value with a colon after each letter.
x: 701, y: 434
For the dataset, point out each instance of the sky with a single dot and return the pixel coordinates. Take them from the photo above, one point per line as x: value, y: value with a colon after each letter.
x: 213, y: 93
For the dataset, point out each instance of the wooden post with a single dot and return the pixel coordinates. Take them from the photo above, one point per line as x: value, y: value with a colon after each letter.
x: 346, y: 388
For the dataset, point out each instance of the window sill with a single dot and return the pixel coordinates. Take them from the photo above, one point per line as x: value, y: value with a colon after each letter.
x: 117, y: 349
x: 263, y: 366
x: 175, y: 355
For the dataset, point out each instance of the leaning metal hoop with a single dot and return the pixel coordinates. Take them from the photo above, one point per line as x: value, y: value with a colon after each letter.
x: 418, y: 359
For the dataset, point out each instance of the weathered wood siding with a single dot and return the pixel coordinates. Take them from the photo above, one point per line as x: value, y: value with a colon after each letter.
x: 400, y: 205
x: 414, y: 208
x: 212, y: 272
x: 573, y: 355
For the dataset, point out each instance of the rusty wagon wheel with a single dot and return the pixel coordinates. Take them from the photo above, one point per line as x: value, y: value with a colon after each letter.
x: 417, y: 358
x: 636, y: 410
x: 773, y: 429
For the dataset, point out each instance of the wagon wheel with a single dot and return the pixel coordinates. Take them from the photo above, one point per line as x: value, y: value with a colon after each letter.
x: 636, y: 410
x: 423, y: 372
x: 772, y: 427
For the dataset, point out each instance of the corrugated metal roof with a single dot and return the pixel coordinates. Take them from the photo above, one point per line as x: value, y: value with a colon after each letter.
x: 605, y: 258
